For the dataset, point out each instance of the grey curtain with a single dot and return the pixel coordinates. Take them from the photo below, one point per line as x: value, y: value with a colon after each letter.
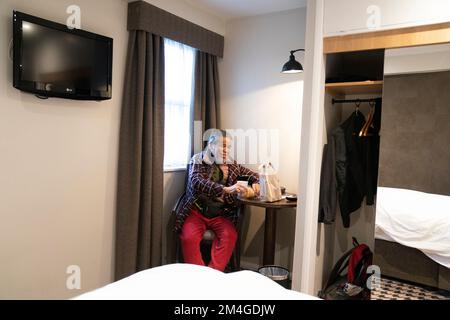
x: 206, y: 92
x: 141, y: 153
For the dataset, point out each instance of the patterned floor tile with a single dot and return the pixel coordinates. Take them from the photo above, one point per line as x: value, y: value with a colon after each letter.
x: 396, y: 290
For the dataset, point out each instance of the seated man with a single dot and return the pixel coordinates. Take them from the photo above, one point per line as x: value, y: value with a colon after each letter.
x: 210, y: 202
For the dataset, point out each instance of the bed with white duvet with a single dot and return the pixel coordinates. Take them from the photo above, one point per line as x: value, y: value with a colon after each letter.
x: 192, y: 282
x: 415, y: 219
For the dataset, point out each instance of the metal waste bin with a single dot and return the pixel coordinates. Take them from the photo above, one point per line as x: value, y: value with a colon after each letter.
x: 278, y: 274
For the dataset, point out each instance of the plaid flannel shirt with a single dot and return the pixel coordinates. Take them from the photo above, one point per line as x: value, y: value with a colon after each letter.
x: 200, y: 182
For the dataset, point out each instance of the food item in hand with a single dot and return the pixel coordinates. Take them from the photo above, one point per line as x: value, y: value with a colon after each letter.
x: 249, y: 193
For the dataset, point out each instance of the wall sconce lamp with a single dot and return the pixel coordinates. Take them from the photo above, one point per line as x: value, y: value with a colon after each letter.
x: 293, y: 66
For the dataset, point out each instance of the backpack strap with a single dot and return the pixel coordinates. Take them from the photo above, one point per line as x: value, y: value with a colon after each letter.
x: 361, y: 275
x: 337, y: 269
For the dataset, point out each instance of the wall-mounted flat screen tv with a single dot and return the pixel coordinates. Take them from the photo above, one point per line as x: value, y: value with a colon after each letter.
x: 51, y: 60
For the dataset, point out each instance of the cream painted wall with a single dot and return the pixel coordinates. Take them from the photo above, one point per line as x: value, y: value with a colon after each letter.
x: 326, y: 233
x: 255, y: 95
x: 58, y: 163
x: 311, y: 143
x: 58, y: 168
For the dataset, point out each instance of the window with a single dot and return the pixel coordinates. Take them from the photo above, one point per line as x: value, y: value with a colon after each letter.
x: 179, y: 86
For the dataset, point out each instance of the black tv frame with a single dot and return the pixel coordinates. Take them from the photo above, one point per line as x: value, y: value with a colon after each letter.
x: 18, y: 18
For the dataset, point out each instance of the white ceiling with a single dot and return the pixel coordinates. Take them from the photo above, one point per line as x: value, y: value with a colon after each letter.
x: 229, y: 9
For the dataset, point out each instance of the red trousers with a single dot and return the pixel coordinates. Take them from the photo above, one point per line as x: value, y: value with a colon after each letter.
x: 223, y: 244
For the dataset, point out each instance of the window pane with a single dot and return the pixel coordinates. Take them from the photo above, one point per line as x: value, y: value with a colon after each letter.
x: 179, y: 74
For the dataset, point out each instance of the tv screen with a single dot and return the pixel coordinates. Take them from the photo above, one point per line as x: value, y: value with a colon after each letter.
x: 52, y: 60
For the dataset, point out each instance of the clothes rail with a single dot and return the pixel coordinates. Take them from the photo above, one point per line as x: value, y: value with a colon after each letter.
x: 334, y: 101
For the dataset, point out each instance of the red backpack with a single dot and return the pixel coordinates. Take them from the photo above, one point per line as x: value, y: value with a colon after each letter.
x: 351, y: 285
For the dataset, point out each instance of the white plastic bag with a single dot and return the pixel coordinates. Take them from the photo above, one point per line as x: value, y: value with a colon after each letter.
x: 269, y: 183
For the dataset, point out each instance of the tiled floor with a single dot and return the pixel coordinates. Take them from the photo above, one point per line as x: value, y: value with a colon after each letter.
x: 396, y: 290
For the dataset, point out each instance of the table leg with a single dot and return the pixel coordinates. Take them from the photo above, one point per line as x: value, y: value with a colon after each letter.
x: 270, y: 227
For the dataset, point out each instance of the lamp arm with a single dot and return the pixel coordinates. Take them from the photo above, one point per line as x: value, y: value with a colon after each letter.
x: 294, y: 51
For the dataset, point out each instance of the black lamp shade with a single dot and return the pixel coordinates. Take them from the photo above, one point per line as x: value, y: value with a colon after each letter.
x: 292, y: 66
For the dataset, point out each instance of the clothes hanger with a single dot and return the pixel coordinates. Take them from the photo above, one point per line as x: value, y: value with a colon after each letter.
x: 369, y: 123
x: 364, y: 127
x: 357, y: 104
x: 372, y: 106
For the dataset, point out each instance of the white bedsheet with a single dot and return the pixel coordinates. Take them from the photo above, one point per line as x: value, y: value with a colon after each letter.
x: 415, y: 219
x: 192, y: 282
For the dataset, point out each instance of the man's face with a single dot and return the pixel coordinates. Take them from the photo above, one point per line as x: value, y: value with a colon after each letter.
x: 221, y: 150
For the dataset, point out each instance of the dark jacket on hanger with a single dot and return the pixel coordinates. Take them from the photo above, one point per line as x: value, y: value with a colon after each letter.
x: 371, y: 149
x: 328, y: 188
x: 361, y: 163
x: 353, y: 188
x: 332, y: 178
x: 349, y: 167
x: 341, y: 159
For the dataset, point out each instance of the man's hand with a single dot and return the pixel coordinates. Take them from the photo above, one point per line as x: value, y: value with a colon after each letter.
x: 236, y: 188
x: 256, y: 188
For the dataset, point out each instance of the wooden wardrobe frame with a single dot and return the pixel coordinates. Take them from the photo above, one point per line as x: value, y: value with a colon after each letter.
x: 305, y: 271
x: 389, y: 39
x: 391, y: 256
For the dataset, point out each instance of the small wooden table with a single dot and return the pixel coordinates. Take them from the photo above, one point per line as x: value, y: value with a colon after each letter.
x: 270, y: 225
